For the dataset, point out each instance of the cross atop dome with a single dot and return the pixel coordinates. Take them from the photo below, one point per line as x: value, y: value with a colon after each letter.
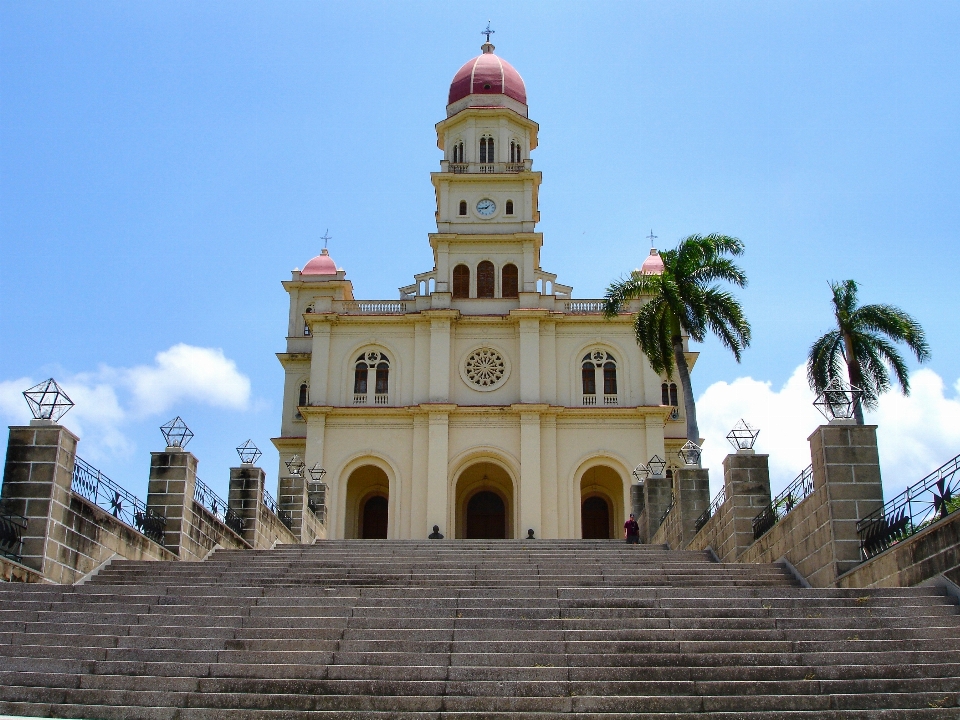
x: 488, y: 32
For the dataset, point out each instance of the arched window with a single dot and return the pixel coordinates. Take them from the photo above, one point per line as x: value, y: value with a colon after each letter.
x: 380, y: 364
x: 303, y: 399
x: 593, y: 362
x: 673, y: 395
x: 668, y: 394
x: 610, y: 377
x: 515, y: 152
x: 486, y: 150
x: 509, y: 207
x: 463, y: 207
x: 461, y: 281
x: 485, y: 279
x: 510, y: 281
x: 458, y: 152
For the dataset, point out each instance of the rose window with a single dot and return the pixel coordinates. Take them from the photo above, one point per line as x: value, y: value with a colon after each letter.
x: 485, y: 368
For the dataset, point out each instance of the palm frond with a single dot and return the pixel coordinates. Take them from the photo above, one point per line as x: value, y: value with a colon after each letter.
x: 892, y: 358
x: 727, y: 321
x: 896, y: 325
x: 825, y: 361
x: 620, y: 292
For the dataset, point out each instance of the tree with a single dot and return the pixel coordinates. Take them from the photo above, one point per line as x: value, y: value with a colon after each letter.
x: 686, y: 298
x: 861, y: 344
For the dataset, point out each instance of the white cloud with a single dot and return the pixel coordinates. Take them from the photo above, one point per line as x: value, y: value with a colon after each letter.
x: 107, y: 400
x: 915, y: 434
x: 185, y: 372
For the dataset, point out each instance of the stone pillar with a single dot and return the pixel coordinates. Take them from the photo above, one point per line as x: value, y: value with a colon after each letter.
x: 418, y: 528
x: 529, y: 473
x: 746, y: 485
x: 439, y: 358
x: 37, y: 479
x: 529, y: 359
x: 438, y: 443
x: 657, y: 492
x: 692, y: 486
x: 245, y: 497
x: 550, y: 491
x: 847, y: 464
x: 173, y: 481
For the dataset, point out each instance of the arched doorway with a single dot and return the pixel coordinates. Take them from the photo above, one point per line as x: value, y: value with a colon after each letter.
x: 484, y: 502
x: 595, y: 518
x: 486, y: 517
x: 602, y: 503
x: 367, y: 504
x: 373, y: 523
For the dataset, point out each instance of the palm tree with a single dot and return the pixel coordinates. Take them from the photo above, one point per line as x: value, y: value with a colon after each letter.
x: 858, y: 343
x: 685, y: 298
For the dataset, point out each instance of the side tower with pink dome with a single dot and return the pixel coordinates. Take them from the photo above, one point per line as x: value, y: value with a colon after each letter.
x: 485, y: 401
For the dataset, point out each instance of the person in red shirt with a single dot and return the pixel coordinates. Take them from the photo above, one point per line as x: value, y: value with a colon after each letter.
x: 631, y: 530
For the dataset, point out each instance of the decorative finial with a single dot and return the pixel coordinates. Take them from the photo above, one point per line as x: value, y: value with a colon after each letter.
x: 651, y: 237
x: 488, y: 32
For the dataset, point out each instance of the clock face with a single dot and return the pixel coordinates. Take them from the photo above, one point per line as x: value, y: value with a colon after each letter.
x: 486, y: 207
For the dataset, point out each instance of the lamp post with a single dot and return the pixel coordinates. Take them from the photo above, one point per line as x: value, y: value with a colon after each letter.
x: 641, y: 472
x: 295, y: 466
x: 838, y: 402
x: 249, y: 453
x: 48, y: 402
x: 690, y: 453
x: 176, y: 433
x: 743, y: 437
x: 656, y: 466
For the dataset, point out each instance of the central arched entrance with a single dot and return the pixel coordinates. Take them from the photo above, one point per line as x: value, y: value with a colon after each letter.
x: 595, y: 518
x: 601, y: 503
x: 486, y: 517
x: 368, y: 504
x: 484, y: 503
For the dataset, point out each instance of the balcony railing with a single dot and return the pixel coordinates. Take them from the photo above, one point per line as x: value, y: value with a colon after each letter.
x: 591, y: 400
x: 215, y: 504
x: 497, y: 167
x: 371, y: 307
x: 381, y: 399
x: 795, y: 493
x: 12, y: 526
x: 91, y: 484
x: 916, y: 508
x: 583, y: 307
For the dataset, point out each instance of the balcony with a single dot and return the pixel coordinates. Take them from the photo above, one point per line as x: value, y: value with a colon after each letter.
x: 484, y: 168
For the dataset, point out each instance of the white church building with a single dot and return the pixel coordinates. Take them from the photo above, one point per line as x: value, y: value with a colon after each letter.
x: 486, y: 400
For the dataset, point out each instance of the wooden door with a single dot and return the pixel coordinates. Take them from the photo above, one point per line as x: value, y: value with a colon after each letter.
x: 486, y: 517
x: 595, y: 519
x: 375, y: 518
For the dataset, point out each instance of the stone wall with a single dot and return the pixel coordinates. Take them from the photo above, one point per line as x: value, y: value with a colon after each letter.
x: 691, y: 495
x: 12, y: 571
x: 933, y: 551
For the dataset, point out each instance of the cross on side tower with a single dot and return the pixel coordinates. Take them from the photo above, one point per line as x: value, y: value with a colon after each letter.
x: 651, y: 237
x: 327, y: 237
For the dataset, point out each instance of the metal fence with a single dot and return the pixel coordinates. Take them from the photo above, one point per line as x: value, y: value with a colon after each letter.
x: 795, y: 493
x: 216, y: 505
x: 93, y: 485
x: 666, y: 512
x: 272, y: 506
x: 705, y: 516
x: 12, y: 526
x: 916, y: 508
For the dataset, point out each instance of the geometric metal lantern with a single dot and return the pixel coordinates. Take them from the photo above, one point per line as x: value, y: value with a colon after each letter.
x: 690, y: 453
x: 839, y: 400
x: 743, y: 436
x: 296, y: 465
x: 641, y: 472
x: 317, y: 472
x: 656, y: 466
x: 176, y: 433
x: 47, y: 400
x: 249, y: 453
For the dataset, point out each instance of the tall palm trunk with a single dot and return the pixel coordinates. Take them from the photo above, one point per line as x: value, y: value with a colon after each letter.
x: 689, y: 406
x: 854, y: 374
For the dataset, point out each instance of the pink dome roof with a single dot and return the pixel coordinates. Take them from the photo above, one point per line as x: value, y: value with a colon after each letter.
x: 322, y: 264
x: 653, y: 265
x: 487, y: 74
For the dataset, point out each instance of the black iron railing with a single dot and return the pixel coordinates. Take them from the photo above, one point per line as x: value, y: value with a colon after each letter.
x: 93, y: 485
x: 705, y: 516
x: 215, y: 504
x: 916, y: 508
x: 272, y: 506
x: 12, y: 526
x: 319, y: 509
x: 666, y: 512
x: 795, y: 493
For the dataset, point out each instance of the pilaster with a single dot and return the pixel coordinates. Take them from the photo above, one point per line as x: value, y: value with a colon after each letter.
x: 438, y: 448
x: 439, y: 357
x: 529, y: 359
x: 530, y: 500
x: 550, y: 489
x: 319, y: 359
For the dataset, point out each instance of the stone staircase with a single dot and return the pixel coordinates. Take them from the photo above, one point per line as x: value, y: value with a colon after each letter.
x: 475, y: 630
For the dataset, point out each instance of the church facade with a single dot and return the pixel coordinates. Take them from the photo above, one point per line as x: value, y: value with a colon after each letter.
x: 486, y: 400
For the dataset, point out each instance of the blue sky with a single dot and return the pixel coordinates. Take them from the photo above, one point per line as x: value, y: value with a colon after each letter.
x: 164, y: 165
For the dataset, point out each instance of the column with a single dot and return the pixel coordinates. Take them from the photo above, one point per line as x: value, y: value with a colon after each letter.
x: 550, y: 487
x: 529, y: 359
x: 847, y: 464
x: 439, y: 358
x: 548, y: 362
x: 244, y: 497
x: 319, y: 359
x: 746, y: 485
x: 37, y: 480
x: 530, y: 501
x: 170, y: 491
x: 414, y: 516
x: 438, y: 442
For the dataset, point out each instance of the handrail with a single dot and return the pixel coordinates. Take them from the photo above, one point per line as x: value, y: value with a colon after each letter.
x: 272, y: 506
x: 91, y: 484
x: 666, y: 512
x: 791, y: 496
x: 931, y: 499
x: 12, y: 526
x: 715, y: 504
x: 216, y: 505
